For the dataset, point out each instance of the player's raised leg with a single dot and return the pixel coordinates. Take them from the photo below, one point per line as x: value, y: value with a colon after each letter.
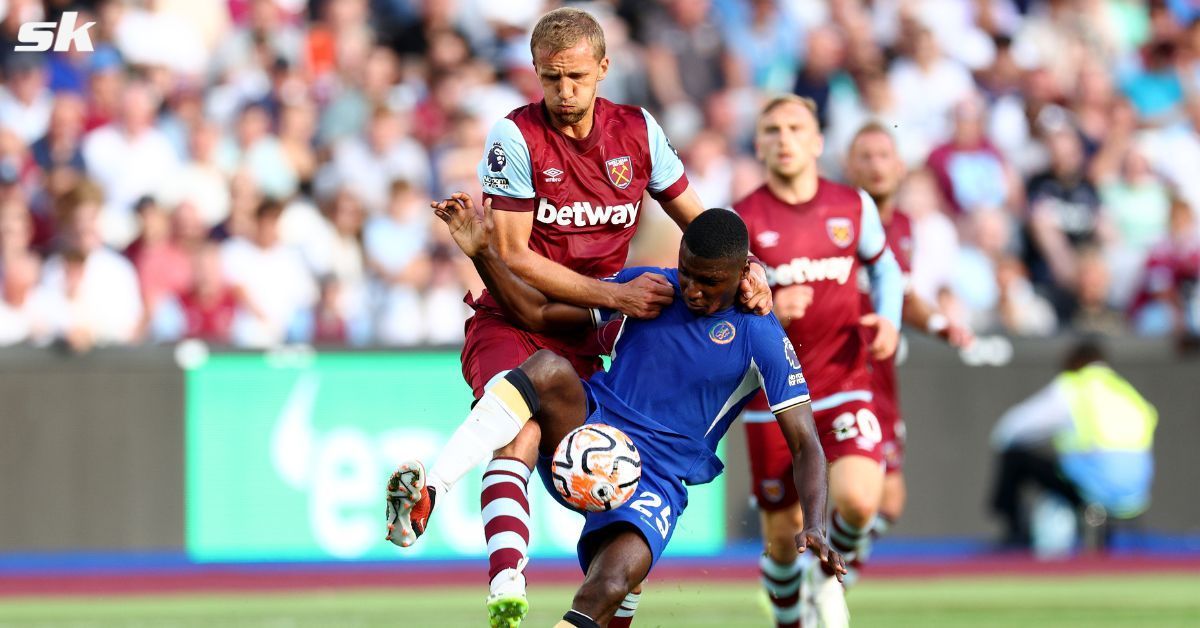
x: 506, y: 406
x: 562, y: 407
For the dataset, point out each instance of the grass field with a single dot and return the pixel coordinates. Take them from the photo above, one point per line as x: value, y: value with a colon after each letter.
x: 1062, y: 602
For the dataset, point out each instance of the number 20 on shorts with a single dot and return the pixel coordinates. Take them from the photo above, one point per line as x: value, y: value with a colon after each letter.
x: 851, y: 425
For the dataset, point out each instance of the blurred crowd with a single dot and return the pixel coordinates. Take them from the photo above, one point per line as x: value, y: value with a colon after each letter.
x: 255, y: 172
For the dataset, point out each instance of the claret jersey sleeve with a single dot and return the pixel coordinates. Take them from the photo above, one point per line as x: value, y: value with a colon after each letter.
x: 505, y: 171
x: 780, y: 373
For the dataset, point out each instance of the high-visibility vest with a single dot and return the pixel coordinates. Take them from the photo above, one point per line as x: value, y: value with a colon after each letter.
x: 1108, y: 413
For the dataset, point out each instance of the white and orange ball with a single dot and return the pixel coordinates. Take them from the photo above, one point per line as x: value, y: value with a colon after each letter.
x: 596, y: 467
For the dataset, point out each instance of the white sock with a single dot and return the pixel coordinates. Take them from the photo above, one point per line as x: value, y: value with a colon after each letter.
x: 493, y: 423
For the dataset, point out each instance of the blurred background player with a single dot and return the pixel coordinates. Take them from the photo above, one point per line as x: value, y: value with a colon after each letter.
x: 720, y: 353
x: 813, y: 235
x: 873, y: 164
x: 567, y: 176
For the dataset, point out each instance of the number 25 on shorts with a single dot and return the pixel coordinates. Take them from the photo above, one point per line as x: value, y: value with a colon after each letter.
x: 647, y: 501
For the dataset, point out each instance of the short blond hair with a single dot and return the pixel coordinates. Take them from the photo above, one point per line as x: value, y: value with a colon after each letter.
x: 790, y: 99
x: 563, y: 28
x: 871, y: 128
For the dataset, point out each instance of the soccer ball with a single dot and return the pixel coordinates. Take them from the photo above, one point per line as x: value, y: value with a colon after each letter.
x: 596, y: 468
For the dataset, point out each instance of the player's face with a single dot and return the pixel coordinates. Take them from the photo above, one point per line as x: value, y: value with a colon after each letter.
x: 569, y: 78
x: 788, y: 140
x: 708, y: 285
x: 874, y: 165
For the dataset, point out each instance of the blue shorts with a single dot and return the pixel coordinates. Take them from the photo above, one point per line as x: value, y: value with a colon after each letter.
x: 653, y: 509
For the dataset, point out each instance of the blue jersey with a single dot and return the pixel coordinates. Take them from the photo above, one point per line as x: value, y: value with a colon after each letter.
x: 678, y: 381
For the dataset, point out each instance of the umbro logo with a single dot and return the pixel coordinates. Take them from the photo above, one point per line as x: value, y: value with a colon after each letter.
x: 768, y: 239
x: 553, y: 175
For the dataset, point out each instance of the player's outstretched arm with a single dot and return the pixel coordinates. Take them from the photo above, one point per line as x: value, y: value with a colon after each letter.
x: 644, y: 298
x: 526, y: 304
x: 808, y: 468
x: 920, y: 314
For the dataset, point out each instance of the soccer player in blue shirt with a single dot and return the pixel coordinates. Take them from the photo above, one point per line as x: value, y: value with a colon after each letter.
x: 676, y: 384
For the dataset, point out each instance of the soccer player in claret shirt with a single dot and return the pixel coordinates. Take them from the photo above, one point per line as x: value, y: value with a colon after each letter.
x: 566, y: 177
x: 813, y: 235
x: 874, y: 164
x: 715, y: 355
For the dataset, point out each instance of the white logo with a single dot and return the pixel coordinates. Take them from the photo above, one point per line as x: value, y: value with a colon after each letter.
x: 768, y: 239
x: 39, y: 36
x: 806, y: 270
x: 584, y: 214
x: 553, y: 175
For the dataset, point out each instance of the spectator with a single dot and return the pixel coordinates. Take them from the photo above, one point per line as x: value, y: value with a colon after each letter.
x: 24, y: 310
x: 935, y: 242
x: 1169, y: 280
x: 255, y: 150
x: 686, y: 58
x: 25, y: 99
x: 129, y: 159
x: 1064, y: 215
x: 61, y: 145
x: 825, y: 53
x: 396, y: 245
x: 348, y: 267
x: 273, y: 285
x: 929, y: 85
x: 1093, y: 312
x: 1099, y: 430
x: 164, y: 270
x: 369, y: 164
x: 201, y: 181
x: 878, y: 103
x: 992, y: 285
x: 971, y: 173
x: 210, y: 304
x: 93, y: 290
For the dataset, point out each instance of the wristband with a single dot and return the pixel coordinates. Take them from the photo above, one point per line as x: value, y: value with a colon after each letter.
x: 937, y: 323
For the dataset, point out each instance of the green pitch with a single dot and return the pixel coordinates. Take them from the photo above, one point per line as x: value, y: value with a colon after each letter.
x: 1062, y: 602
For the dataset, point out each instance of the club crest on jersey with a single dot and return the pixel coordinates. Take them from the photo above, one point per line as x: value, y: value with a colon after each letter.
x: 722, y: 333
x: 620, y: 171
x: 841, y: 231
x: 496, y: 158
x: 772, y: 490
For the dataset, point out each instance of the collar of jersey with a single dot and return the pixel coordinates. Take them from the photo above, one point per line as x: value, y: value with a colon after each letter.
x: 578, y: 145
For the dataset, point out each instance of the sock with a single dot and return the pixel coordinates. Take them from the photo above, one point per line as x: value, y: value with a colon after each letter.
x: 883, y: 524
x: 493, y: 423
x: 624, y: 616
x: 782, y: 582
x: 846, y: 539
x: 505, y: 504
x: 579, y: 620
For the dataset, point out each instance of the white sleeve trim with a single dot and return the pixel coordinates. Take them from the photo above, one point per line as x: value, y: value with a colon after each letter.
x: 790, y: 403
